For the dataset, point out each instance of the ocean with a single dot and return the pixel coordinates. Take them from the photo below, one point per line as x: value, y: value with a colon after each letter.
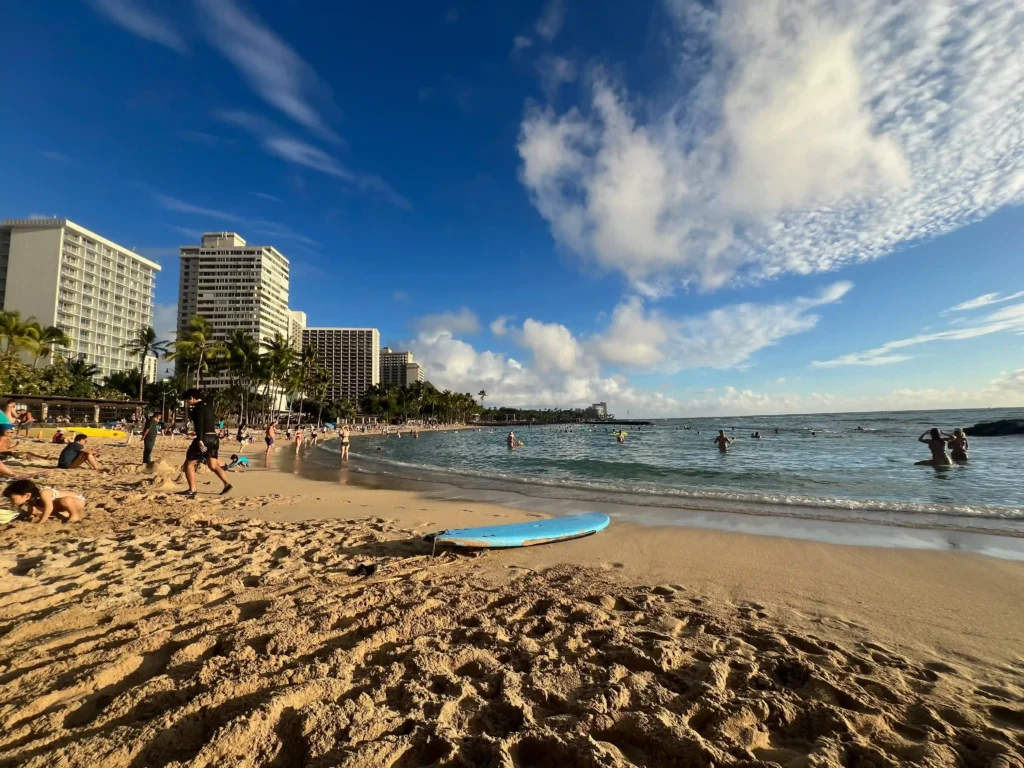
x: 807, y: 466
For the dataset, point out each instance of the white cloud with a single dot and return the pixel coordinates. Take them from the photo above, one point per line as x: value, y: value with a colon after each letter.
x: 499, y: 326
x: 462, y: 321
x: 554, y: 347
x: 519, y: 42
x: 400, y: 295
x: 551, y: 19
x: 180, y: 206
x: 57, y: 157
x: 726, y: 337
x: 814, y: 134
x: 554, y: 72
x: 269, y: 65
x: 149, y: 26
x: 982, y: 301
x: 1009, y: 318
x: 267, y: 196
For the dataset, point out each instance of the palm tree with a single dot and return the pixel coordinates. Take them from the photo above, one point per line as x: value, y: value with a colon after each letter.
x: 482, y: 394
x: 278, y: 359
x: 146, y: 344
x: 305, y: 364
x: 48, y: 338
x: 242, y: 358
x: 197, y: 346
x: 17, y: 335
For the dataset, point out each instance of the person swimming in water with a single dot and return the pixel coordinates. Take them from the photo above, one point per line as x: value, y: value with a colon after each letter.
x: 958, y: 445
x: 936, y: 442
x: 722, y: 441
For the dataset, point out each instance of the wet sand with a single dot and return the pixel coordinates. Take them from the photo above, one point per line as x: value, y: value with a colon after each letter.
x: 233, y: 631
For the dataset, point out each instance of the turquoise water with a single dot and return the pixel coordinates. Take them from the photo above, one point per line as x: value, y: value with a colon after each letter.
x: 837, y: 472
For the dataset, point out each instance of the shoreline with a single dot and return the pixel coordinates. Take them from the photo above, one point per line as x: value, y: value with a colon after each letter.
x: 234, y: 630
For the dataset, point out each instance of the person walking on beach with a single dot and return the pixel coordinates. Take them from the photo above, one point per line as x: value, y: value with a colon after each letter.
x: 936, y: 442
x: 149, y: 432
x: 958, y: 445
x: 268, y: 437
x: 205, y: 446
x: 723, y: 442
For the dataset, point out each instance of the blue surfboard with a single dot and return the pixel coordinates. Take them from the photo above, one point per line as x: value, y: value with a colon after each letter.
x: 525, y: 534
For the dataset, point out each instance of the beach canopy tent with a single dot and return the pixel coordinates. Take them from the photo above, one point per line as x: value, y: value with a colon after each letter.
x: 81, y: 410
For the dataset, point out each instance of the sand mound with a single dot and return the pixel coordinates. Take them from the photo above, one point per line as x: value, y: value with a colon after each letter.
x: 243, y: 642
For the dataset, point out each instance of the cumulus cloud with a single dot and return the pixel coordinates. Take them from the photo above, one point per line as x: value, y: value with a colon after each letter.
x: 269, y: 65
x: 461, y: 322
x: 499, y: 326
x: 982, y: 301
x: 726, y: 337
x: 559, y: 369
x: 1009, y: 318
x: 815, y: 134
x: 131, y: 16
x: 551, y: 20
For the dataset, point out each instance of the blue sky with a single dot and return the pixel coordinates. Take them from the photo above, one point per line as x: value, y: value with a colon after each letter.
x: 678, y: 207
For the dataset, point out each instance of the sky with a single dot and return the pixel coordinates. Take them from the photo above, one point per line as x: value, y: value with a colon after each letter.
x: 678, y: 207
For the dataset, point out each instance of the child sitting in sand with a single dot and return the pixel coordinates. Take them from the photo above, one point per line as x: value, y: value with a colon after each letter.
x: 39, y: 503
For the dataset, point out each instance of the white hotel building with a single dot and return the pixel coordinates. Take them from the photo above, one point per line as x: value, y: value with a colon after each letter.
x: 235, y: 285
x: 98, y: 292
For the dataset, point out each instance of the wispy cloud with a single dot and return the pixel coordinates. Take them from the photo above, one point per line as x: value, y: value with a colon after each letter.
x: 461, y: 322
x: 554, y: 72
x: 180, y: 206
x: 200, y: 137
x: 149, y: 26
x: 270, y: 229
x: 192, y: 234
x: 803, y: 137
x: 551, y: 20
x: 267, y: 196
x: 982, y: 301
x: 298, y: 152
x: 1009, y: 318
x: 519, y: 42
x: 269, y: 65
x: 400, y: 295
x: 56, y: 157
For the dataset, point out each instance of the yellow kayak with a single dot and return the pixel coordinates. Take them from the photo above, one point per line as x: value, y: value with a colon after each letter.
x: 47, y: 432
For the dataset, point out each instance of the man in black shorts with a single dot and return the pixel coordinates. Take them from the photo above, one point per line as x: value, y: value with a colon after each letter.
x: 206, y: 444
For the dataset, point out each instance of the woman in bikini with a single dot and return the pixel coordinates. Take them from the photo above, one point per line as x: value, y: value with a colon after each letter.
x: 39, y: 503
x: 958, y: 445
x: 936, y: 442
x: 345, y: 443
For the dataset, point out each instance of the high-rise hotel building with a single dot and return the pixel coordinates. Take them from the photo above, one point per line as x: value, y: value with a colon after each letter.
x: 351, y: 355
x: 98, y: 292
x: 234, y: 285
x: 399, y: 368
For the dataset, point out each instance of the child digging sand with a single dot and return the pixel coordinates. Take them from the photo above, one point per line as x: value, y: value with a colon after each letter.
x: 43, y: 502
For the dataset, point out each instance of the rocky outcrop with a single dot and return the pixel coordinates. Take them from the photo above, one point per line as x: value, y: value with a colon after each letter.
x: 997, y: 428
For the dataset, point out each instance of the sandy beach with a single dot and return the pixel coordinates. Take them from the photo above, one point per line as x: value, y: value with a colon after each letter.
x: 231, y: 630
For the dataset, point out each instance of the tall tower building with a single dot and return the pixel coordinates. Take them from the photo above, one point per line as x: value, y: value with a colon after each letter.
x: 98, y: 292
x: 298, y: 325
x: 399, y: 368
x: 351, y: 355
x: 234, y: 285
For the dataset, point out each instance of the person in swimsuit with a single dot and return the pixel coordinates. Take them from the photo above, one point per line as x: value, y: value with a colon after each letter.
x: 936, y: 442
x: 43, y: 502
x: 722, y: 441
x: 958, y: 445
x: 346, y: 442
x: 268, y: 437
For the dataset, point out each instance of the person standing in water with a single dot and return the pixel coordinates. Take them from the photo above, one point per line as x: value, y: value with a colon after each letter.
x: 722, y: 441
x: 268, y: 437
x: 958, y: 445
x: 936, y: 442
x: 346, y: 442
